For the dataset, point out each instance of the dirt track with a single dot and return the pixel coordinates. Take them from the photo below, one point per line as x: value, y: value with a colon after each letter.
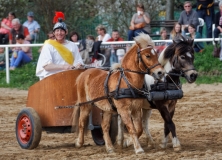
x: 198, y: 119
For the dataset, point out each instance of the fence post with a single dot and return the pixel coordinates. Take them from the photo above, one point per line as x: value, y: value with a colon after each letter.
x: 7, y: 64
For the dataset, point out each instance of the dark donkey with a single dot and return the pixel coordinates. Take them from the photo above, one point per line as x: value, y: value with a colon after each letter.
x: 177, y: 60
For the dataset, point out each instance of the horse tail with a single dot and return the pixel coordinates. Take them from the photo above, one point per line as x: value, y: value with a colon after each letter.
x: 75, y: 119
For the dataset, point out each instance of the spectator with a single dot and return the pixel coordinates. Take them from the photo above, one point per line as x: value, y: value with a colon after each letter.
x: 32, y: 26
x: 58, y: 55
x: 176, y: 31
x: 160, y: 46
x: 140, y: 22
x: 50, y: 35
x: 163, y: 34
x: 205, y: 10
x: 112, y: 51
x: 91, y: 37
x: 86, y: 47
x: 102, y: 35
x: 218, y: 22
x: 6, y: 26
x: 74, y: 37
x: 21, y: 55
x: 17, y: 28
x: 2, y: 58
x: 115, y: 36
x: 198, y: 46
x: 188, y: 16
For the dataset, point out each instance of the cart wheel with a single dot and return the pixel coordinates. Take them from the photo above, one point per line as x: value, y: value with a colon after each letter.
x: 97, y: 133
x: 28, y: 128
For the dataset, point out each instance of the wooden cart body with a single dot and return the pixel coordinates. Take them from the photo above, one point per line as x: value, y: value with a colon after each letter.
x: 58, y: 90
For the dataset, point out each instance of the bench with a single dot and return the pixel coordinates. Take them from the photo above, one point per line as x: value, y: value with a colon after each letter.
x: 162, y: 23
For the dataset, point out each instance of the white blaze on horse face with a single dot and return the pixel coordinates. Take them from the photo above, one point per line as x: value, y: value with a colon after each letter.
x: 153, y: 52
x: 188, y: 54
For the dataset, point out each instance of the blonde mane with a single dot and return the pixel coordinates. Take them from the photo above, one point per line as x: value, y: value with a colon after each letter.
x: 144, y: 40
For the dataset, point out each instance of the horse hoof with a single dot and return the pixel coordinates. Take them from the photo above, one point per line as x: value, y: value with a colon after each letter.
x: 139, y: 151
x: 126, y: 143
x: 110, y: 150
x: 162, y: 146
x: 177, y: 149
x: 77, y: 144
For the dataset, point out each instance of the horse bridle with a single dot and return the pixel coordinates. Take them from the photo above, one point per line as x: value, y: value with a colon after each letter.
x: 141, y: 60
x: 182, y: 72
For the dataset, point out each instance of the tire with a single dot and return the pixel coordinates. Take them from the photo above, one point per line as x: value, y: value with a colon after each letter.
x: 28, y: 128
x: 97, y: 133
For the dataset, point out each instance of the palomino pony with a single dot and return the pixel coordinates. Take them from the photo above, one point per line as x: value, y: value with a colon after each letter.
x: 94, y: 84
x: 177, y: 60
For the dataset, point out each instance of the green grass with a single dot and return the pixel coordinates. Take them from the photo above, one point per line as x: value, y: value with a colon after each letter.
x: 22, y: 77
x: 208, y: 67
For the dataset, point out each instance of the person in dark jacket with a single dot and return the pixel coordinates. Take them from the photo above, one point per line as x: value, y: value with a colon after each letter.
x: 205, y: 10
x: 188, y: 16
x: 218, y: 22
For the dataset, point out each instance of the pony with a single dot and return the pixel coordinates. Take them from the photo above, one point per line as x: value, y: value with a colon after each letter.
x: 177, y: 60
x: 96, y: 84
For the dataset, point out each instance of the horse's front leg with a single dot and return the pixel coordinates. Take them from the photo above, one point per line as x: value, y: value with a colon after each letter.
x: 106, y: 127
x: 84, y: 114
x: 126, y: 118
x: 145, y: 119
x: 169, y: 126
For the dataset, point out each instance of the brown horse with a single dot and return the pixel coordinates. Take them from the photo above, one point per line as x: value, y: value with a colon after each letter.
x: 140, y: 59
x: 177, y: 60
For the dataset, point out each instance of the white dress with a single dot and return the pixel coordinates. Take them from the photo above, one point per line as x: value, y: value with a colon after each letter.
x: 50, y: 55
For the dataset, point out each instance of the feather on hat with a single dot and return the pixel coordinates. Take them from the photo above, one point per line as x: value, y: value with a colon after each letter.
x: 57, y: 16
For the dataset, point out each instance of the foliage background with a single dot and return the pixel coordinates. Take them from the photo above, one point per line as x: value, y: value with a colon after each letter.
x: 84, y: 16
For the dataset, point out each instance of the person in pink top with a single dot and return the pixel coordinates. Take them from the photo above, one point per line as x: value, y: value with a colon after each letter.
x: 21, y: 55
x: 6, y: 26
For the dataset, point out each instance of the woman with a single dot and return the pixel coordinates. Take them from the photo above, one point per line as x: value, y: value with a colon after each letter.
x: 218, y: 22
x: 74, y: 37
x: 6, y: 26
x: 21, y: 55
x: 140, y: 22
x: 102, y: 35
x: 163, y: 34
x: 197, y: 46
x: 176, y: 30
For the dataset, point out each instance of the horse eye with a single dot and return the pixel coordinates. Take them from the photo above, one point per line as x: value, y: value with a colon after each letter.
x: 182, y: 57
x: 147, y: 56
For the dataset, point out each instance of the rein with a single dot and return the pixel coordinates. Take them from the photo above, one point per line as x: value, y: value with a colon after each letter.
x: 132, y: 91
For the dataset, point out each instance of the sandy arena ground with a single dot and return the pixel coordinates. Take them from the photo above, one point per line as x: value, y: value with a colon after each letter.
x: 198, y: 119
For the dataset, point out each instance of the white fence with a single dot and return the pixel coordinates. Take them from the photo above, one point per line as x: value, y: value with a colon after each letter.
x: 104, y: 43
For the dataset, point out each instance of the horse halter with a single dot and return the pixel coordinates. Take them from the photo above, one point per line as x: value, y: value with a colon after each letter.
x: 141, y: 60
x: 182, y: 72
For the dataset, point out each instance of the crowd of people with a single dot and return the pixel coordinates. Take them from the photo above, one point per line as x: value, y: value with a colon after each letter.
x: 13, y: 32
